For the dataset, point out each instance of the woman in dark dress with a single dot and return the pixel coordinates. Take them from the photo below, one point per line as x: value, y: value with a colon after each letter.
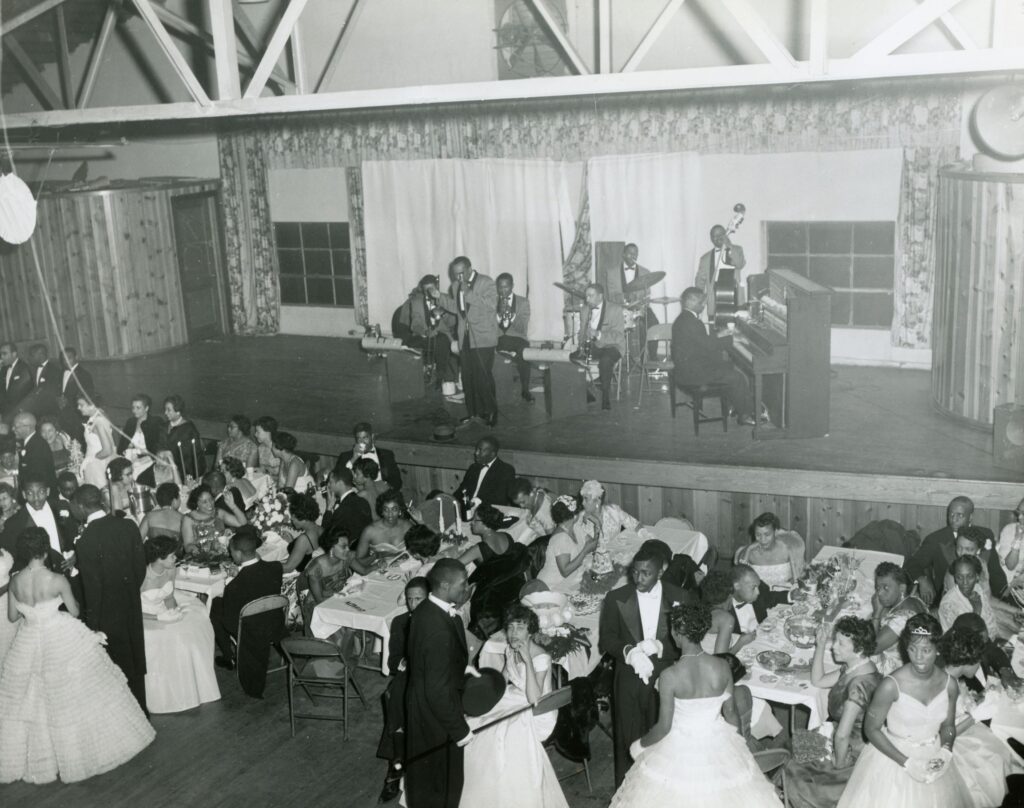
x: 820, y: 783
x: 141, y: 439
x: 183, y: 441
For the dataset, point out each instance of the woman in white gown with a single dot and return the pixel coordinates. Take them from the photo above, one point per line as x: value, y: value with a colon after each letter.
x: 770, y: 558
x: 65, y: 708
x: 178, y: 635
x: 911, y: 729
x: 7, y: 628
x: 506, y: 765
x: 99, y: 443
x: 694, y: 756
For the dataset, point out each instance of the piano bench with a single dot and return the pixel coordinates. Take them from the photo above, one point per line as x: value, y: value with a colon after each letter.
x: 697, y: 394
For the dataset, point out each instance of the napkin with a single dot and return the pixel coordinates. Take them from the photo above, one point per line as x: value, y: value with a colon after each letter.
x: 355, y: 583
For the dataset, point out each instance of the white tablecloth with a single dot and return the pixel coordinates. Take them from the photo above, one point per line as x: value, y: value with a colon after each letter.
x: 212, y: 586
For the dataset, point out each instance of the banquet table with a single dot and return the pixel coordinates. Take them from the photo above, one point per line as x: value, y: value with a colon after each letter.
x: 210, y: 585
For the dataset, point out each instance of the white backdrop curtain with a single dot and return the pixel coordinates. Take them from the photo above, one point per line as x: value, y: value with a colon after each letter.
x: 510, y: 216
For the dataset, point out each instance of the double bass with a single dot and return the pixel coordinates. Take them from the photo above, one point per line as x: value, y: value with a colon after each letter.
x: 726, y: 289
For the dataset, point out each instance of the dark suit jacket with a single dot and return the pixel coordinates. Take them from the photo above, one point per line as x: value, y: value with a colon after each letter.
x: 437, y: 659
x: 35, y: 461
x: 938, y: 551
x: 352, y: 515
x: 252, y: 582
x: 153, y: 430
x: 80, y: 381
x: 696, y: 354
x: 19, y: 388
x: 621, y: 626
x: 611, y: 326
x: 766, y: 598
x: 46, y: 387
x: 703, y: 280
x: 67, y: 530
x: 389, y: 471
x: 398, y: 641
x: 112, y: 564
x: 494, y: 490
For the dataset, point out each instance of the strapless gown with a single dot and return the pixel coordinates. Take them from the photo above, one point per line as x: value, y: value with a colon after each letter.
x: 179, y: 655
x: 7, y: 628
x: 65, y: 708
x: 703, y: 762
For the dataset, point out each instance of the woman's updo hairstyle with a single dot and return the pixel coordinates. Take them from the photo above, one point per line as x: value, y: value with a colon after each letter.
x: 692, y: 622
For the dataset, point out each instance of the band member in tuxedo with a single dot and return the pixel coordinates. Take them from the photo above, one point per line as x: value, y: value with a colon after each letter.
x: 423, y: 325
x: 637, y: 301
x: 364, y: 445
x: 723, y: 253
x: 635, y: 632
x: 602, y: 338
x: 437, y: 660
x: 488, y: 477
x: 75, y: 381
x: 46, y: 379
x: 698, y: 357
x: 473, y: 298
x: 513, y: 323
x: 35, y: 460
x: 751, y: 599
x: 15, y: 378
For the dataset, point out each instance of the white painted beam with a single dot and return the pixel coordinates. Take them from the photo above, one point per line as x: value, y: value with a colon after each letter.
x: 904, y: 28
x: 956, y: 30
x: 99, y: 47
x: 273, y: 52
x: 181, y: 67
x: 14, y: 23
x: 335, y: 58
x: 559, y: 36
x: 225, y: 49
x: 818, y: 51
x: 604, y: 36
x: 298, y: 61
x: 652, y: 35
x: 754, y: 26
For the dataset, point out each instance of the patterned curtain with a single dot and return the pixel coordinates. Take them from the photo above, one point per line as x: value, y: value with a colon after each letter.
x: 250, y: 255
x: 576, y: 270
x: 354, y: 182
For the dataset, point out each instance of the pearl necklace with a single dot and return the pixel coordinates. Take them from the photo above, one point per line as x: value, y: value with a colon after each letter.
x: 699, y: 653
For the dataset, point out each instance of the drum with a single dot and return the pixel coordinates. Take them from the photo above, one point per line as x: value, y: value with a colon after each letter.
x: 571, y: 324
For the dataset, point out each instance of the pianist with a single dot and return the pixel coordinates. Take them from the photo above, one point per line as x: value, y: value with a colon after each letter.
x: 699, y: 357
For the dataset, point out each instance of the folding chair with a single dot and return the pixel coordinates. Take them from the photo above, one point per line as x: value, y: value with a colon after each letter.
x: 318, y: 667
x: 773, y: 762
x: 555, y: 700
x: 660, y: 333
x: 268, y: 603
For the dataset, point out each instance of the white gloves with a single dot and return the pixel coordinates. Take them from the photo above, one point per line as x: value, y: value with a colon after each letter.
x: 636, y: 749
x: 931, y: 768
x: 652, y: 648
x: 640, y: 663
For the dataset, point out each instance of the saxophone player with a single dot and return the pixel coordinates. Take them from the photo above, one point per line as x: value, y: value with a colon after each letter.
x: 602, y: 338
x: 513, y: 316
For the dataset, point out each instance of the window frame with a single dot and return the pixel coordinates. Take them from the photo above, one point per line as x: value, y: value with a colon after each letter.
x: 342, y: 274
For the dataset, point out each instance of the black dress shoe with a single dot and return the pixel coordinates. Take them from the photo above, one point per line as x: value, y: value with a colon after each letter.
x: 224, y: 662
x: 491, y: 420
x: 528, y: 397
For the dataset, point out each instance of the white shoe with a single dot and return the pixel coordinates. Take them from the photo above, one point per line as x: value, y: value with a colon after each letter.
x: 447, y: 389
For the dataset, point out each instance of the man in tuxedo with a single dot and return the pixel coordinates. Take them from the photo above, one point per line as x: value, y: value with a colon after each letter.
x: 16, y: 378
x: 488, y: 477
x: 112, y: 565
x: 35, y: 460
x: 75, y: 381
x: 928, y: 565
x: 437, y: 659
x: 347, y: 512
x: 513, y: 317
x: 424, y: 326
x: 46, y: 379
x: 631, y: 270
x: 255, y: 579
x: 602, y: 338
x: 56, y: 518
x: 364, y: 445
x: 635, y: 632
x: 751, y: 600
x: 723, y: 253
x: 473, y: 299
x: 698, y: 357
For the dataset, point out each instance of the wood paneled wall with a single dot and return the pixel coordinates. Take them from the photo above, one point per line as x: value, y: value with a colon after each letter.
x: 109, y: 266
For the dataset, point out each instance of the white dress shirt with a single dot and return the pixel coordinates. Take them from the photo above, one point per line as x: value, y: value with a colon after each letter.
x: 447, y: 607
x: 650, y: 610
x: 746, y: 616
x: 248, y: 563
x: 7, y: 378
x: 480, y: 479
x: 45, y: 519
x: 39, y: 372
x: 629, y: 273
x: 67, y: 378
x: 595, y: 318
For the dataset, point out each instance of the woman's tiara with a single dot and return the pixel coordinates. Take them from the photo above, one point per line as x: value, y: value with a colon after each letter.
x: 921, y: 631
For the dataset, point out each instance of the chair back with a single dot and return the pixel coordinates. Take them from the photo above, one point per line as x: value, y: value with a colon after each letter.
x: 538, y: 550
x: 267, y: 603
x: 304, y: 649
x: 771, y: 760
x: 662, y: 332
x: 797, y: 548
x: 674, y: 523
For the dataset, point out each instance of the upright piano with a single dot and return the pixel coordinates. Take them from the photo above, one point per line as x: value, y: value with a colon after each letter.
x: 786, y: 348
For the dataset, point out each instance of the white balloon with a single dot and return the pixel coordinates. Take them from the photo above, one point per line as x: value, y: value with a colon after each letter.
x: 17, y: 210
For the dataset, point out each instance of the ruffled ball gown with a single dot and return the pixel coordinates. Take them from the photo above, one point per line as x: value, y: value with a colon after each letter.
x: 703, y: 762
x: 7, y: 628
x: 65, y: 708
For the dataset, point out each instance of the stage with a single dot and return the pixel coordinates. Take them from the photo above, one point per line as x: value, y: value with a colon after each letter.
x: 889, y: 453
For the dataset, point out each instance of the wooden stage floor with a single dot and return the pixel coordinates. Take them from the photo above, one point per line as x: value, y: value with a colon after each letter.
x: 882, y: 420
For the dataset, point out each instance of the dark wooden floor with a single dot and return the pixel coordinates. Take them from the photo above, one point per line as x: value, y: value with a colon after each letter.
x: 882, y: 421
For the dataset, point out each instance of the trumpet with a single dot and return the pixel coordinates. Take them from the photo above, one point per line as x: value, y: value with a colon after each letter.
x: 506, y: 314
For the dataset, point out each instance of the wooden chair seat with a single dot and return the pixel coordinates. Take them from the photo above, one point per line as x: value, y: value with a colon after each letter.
x: 697, y: 393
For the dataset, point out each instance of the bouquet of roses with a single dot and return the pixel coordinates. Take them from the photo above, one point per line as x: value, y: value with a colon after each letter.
x: 560, y: 641
x: 271, y: 512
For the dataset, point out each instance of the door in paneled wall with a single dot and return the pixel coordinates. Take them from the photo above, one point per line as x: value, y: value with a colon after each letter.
x: 200, y: 264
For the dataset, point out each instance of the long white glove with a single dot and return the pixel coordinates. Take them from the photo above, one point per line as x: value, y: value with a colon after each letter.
x: 652, y: 648
x: 641, y: 665
x: 636, y: 749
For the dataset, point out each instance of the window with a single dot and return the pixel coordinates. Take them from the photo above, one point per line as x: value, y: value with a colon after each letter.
x: 315, y: 263
x: 854, y: 259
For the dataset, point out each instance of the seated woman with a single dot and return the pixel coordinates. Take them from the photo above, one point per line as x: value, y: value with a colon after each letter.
x: 716, y: 593
x: 500, y: 569
x: 166, y: 518
x: 566, y: 557
x: 509, y: 757
x: 178, y: 635
x: 9, y: 504
x: 60, y: 443
x: 820, y: 783
x: 1009, y: 548
x: 524, y: 494
x: 771, y: 559
x: 264, y: 429
x: 487, y: 523
x: 423, y: 544
x: 326, y: 574
x: 119, y: 495
x: 238, y: 445
x: 892, y: 606
x: 201, y: 523
x: 611, y: 518
x: 234, y: 477
x: 182, y: 442
x: 984, y: 760
x: 305, y: 546
x: 995, y: 664
x: 970, y: 541
x: 968, y: 595
x: 141, y: 439
x: 293, y: 467
x: 386, y: 537
x: 364, y: 478
x: 911, y: 729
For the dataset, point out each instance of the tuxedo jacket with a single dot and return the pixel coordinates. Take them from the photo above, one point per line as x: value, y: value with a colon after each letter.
x: 436, y: 657
x: 478, y: 322
x: 766, y: 598
x: 67, y: 529
x: 938, y: 551
x: 494, y: 490
x: 610, y: 325
x: 252, y: 582
x: 520, y: 323
x: 80, y: 381
x: 389, y: 471
x: 398, y: 641
x: 621, y: 626
x: 640, y: 272
x: 696, y: 355
x: 18, y: 388
x: 35, y: 461
x: 46, y: 380
x: 705, y: 269
x: 351, y: 515
x: 153, y: 430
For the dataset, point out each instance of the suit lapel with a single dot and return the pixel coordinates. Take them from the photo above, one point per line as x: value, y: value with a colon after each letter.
x: 630, y: 611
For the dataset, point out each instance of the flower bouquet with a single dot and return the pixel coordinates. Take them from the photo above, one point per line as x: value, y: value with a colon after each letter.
x: 595, y: 583
x: 270, y: 512
x: 560, y: 641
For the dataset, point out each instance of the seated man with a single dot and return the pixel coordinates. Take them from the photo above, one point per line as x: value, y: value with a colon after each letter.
x: 364, y: 444
x: 424, y: 326
x: 602, y: 338
x: 256, y: 579
x: 487, y: 479
x: 699, y: 359
x: 513, y: 320
x: 636, y: 301
x: 228, y: 501
x: 751, y: 599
